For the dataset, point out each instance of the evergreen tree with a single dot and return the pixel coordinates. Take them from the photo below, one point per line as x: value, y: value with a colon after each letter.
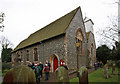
x: 6, y: 54
x: 6, y: 50
x: 103, y: 53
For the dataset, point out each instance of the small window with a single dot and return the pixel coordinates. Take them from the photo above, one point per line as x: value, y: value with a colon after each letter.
x: 35, y: 54
x: 27, y: 55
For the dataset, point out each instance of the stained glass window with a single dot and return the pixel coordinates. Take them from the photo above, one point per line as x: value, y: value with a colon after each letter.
x: 79, y: 42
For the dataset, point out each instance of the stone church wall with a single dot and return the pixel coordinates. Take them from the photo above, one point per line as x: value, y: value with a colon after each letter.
x: 53, y: 46
x: 76, y: 23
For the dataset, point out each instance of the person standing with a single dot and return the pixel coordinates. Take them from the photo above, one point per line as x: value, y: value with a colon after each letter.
x: 48, y: 64
x: 65, y: 66
x: 30, y: 65
x: 41, y: 66
x: 95, y: 65
x: 37, y: 72
x: 46, y: 69
x: 33, y: 66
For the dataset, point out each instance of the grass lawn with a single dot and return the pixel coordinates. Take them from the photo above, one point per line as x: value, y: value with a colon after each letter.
x: 4, y: 72
x: 98, y: 76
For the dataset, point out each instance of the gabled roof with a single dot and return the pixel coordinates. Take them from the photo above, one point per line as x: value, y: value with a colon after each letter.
x: 86, y: 19
x: 53, y: 29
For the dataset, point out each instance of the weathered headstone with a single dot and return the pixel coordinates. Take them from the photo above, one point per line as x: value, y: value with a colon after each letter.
x: 106, y: 71
x: 118, y: 65
x: 21, y: 74
x: 113, y: 69
x: 83, y: 75
x: 61, y: 75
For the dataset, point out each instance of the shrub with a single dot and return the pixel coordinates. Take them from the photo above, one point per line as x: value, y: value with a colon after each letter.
x: 6, y: 66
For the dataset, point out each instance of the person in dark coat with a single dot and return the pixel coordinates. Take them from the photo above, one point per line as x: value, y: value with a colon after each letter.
x: 41, y: 66
x: 95, y: 65
x: 65, y: 66
x: 48, y: 64
x: 30, y: 65
x: 37, y: 72
x: 33, y: 66
x: 46, y: 69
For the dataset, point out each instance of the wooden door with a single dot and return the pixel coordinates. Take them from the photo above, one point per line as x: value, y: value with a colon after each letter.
x: 55, y: 64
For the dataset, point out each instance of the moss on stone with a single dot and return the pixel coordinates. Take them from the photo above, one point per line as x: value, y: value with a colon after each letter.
x: 22, y: 74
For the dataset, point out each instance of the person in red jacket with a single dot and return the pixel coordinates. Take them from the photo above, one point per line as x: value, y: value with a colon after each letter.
x: 46, y: 69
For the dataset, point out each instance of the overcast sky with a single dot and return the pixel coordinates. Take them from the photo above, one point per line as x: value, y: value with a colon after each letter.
x: 23, y: 17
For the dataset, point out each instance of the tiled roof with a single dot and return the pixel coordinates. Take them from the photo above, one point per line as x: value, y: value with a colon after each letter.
x: 53, y: 29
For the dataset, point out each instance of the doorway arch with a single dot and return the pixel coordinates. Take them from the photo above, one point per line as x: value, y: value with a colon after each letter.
x: 54, y: 62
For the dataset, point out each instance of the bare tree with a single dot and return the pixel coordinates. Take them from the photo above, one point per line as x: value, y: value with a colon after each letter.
x: 5, y: 43
x: 110, y: 33
x: 2, y: 15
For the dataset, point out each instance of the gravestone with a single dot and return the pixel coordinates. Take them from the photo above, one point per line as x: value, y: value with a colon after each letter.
x: 113, y: 69
x: 20, y: 74
x: 61, y: 75
x: 83, y: 75
x: 106, y: 71
x: 118, y: 65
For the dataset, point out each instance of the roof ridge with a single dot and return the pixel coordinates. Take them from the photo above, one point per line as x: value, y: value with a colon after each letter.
x: 55, y: 28
x: 56, y: 20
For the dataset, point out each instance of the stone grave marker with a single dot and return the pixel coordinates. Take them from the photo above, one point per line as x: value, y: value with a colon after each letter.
x: 83, y: 75
x: 113, y: 69
x: 106, y: 71
x: 21, y: 74
x: 61, y: 75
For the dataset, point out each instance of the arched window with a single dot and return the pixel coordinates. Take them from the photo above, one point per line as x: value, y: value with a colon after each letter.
x: 79, y: 42
x: 35, y: 54
x: 27, y: 54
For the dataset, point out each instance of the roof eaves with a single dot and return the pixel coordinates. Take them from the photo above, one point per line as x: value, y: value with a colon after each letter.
x: 23, y: 43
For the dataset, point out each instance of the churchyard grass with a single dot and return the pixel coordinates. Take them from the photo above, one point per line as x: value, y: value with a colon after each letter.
x: 98, y: 76
x: 4, y: 72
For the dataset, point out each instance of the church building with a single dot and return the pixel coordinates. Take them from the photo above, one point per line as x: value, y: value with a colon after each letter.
x: 62, y: 40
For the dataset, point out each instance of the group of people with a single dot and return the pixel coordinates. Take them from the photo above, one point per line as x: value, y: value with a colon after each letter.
x: 98, y: 64
x: 38, y: 68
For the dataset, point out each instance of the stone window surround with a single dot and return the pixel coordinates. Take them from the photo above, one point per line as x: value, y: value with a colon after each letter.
x: 37, y: 53
x: 27, y: 54
x: 79, y: 30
